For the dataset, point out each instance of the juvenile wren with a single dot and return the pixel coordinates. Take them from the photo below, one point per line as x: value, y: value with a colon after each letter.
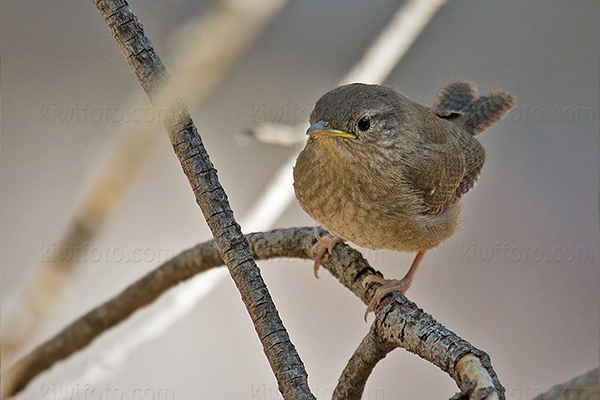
x: 384, y: 172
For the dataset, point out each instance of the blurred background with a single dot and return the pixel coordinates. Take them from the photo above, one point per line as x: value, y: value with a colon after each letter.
x: 520, y: 279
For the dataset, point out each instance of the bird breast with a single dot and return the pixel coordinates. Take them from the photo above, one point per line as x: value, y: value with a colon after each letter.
x: 366, y: 200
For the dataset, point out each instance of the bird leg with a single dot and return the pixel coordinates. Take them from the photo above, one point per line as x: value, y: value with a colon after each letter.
x: 391, y: 285
x: 324, y: 244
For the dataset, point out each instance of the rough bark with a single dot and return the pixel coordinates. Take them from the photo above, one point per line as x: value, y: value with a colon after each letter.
x: 399, y: 322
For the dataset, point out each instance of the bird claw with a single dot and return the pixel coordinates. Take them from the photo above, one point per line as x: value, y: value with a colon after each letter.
x: 391, y: 285
x: 324, y: 244
x: 388, y: 286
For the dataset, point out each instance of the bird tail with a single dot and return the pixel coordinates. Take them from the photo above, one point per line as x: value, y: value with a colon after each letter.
x: 459, y: 102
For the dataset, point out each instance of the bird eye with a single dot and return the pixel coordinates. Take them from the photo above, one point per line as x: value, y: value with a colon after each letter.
x: 364, y: 123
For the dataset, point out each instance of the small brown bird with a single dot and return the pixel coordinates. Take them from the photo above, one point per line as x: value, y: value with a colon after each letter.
x: 387, y: 173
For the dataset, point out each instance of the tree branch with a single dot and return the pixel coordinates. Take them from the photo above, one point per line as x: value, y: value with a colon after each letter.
x: 583, y: 387
x: 210, y: 196
x: 354, y: 377
x: 398, y: 323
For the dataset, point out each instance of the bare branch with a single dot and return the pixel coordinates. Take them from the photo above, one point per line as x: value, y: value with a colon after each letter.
x: 583, y: 387
x: 354, y: 377
x: 399, y: 323
x: 402, y: 324
x: 210, y: 196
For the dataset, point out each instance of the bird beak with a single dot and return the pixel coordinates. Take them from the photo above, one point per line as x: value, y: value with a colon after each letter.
x: 321, y: 128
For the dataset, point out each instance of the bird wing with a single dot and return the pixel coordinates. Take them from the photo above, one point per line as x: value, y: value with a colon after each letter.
x: 437, y: 172
x: 459, y: 103
x: 474, y: 158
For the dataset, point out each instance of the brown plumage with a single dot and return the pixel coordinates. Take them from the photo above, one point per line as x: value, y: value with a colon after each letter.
x: 387, y: 173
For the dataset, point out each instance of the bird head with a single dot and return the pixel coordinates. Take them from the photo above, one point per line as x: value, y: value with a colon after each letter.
x: 358, y: 114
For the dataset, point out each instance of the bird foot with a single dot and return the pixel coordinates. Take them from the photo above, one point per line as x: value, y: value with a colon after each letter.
x: 324, y: 244
x: 388, y: 286
x: 391, y: 285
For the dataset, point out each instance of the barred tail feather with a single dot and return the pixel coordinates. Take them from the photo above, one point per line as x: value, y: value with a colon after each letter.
x: 482, y: 113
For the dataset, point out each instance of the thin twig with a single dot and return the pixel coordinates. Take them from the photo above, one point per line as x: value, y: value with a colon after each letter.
x: 354, y: 377
x: 394, y: 41
x: 210, y: 196
x: 399, y: 323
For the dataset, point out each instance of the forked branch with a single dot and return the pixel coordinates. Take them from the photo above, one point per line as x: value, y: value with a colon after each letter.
x: 399, y: 322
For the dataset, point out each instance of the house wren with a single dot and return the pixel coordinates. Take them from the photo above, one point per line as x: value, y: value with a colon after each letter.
x: 385, y: 172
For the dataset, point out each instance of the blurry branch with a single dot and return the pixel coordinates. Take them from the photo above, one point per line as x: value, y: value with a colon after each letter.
x: 582, y: 387
x: 174, y: 305
x: 394, y: 41
x: 398, y: 323
x: 47, y: 285
x: 80, y: 333
x: 279, y: 134
x: 205, y: 48
x: 376, y: 64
